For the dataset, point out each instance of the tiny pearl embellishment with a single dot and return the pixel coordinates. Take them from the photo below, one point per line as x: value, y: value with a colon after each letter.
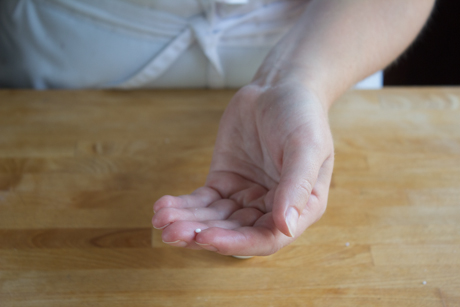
x: 198, y: 230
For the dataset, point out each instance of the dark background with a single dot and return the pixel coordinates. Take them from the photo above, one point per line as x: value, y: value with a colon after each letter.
x: 434, y: 58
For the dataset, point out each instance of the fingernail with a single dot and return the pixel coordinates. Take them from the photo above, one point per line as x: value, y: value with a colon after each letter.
x: 178, y: 243
x: 209, y: 247
x: 162, y: 226
x: 292, y: 217
x: 242, y: 257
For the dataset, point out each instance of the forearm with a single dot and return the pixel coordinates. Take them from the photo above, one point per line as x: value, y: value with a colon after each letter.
x: 336, y: 43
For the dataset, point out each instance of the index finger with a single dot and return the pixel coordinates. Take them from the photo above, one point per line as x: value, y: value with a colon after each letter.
x: 261, y: 239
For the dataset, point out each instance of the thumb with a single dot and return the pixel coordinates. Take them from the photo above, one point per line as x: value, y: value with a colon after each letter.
x: 299, y: 173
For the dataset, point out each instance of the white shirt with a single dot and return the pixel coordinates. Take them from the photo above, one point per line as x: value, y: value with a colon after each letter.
x: 139, y: 43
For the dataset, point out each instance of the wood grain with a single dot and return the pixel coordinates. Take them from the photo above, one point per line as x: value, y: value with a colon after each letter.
x: 80, y: 171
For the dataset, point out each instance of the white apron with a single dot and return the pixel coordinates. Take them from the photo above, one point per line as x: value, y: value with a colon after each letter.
x: 140, y: 43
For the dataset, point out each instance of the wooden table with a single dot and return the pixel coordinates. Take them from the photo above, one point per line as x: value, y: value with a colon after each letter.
x: 80, y: 171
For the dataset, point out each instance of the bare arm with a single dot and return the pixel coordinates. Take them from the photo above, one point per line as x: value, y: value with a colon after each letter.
x: 336, y: 43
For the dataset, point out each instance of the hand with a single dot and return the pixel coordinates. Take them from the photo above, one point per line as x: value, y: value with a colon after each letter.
x: 268, y: 181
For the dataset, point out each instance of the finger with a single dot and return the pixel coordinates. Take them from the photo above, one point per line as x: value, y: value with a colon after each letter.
x: 182, y: 233
x: 219, y: 210
x: 201, y: 197
x: 302, y: 164
x: 265, y: 202
x: 243, y: 241
x: 228, y: 184
x: 320, y: 192
x: 245, y: 216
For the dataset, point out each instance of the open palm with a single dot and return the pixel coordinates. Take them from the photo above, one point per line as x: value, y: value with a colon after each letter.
x: 269, y: 177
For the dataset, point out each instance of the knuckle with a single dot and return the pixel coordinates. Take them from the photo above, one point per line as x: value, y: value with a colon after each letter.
x: 274, y: 249
x: 176, y: 231
x: 317, y: 140
x: 164, y: 216
x: 306, y: 185
x: 169, y: 214
x: 248, y: 91
x: 163, y: 202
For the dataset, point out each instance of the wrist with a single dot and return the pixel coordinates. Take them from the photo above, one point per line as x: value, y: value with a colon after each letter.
x: 295, y: 78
